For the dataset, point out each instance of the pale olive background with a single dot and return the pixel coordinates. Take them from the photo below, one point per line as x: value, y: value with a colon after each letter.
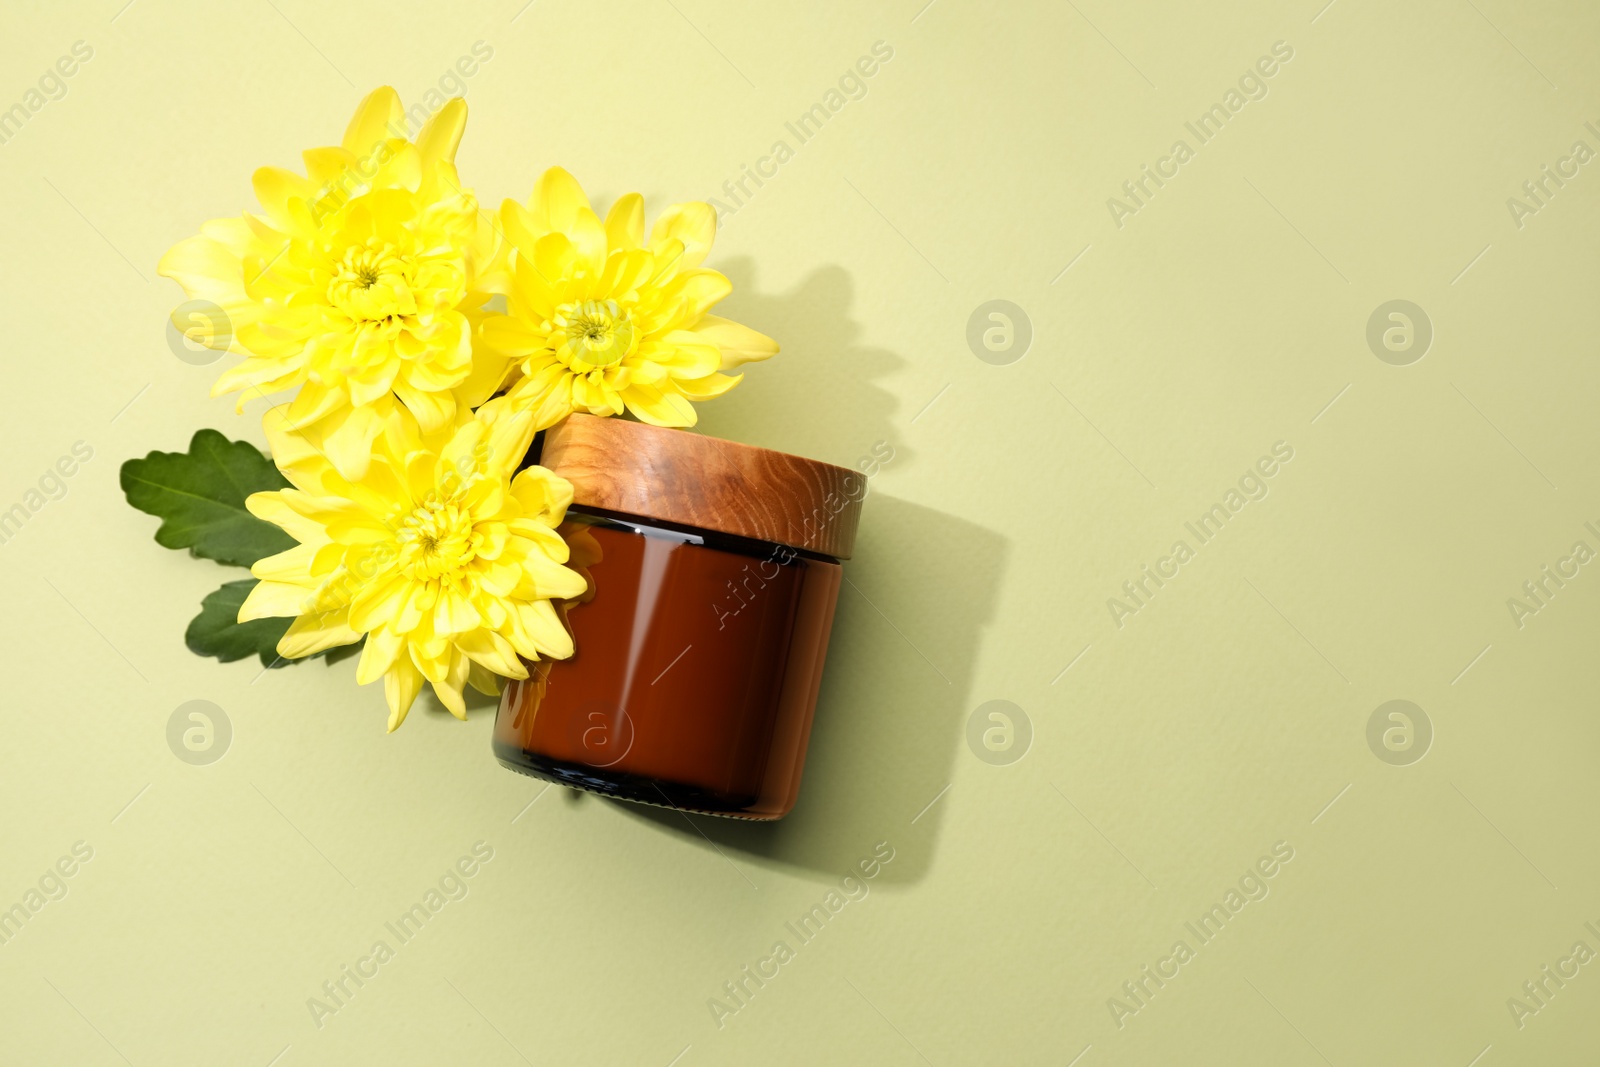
x: 1230, y: 713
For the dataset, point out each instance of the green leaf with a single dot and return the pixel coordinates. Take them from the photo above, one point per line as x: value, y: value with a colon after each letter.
x: 199, y: 497
x: 217, y: 632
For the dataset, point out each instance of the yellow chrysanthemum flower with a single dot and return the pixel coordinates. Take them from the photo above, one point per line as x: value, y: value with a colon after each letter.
x: 601, y: 321
x: 356, y: 284
x: 439, y: 556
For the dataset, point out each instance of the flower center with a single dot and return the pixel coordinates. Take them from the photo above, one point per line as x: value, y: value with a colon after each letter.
x: 436, y: 539
x: 371, y: 282
x: 594, y: 333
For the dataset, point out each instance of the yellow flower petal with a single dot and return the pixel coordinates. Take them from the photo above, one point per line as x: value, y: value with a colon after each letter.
x: 494, y: 653
x: 310, y: 634
x: 292, y: 565
x: 205, y: 268
x: 377, y: 115
x: 506, y: 336
x: 738, y: 344
x: 694, y: 291
x: 693, y: 224
x: 433, y: 410
x: 556, y: 202
x: 708, y: 388
x: 276, y: 187
x: 454, y: 614
x: 544, y: 496
x: 438, y: 140
x: 401, y: 684
x: 684, y: 354
x: 542, y: 631
x: 349, y: 444
x: 378, y: 656
x: 449, y: 689
x: 377, y: 604
x: 659, y: 407
x: 511, y: 434
x: 489, y: 372
x: 549, y: 404
x: 272, y: 507
x: 625, y: 223
x: 273, y: 600
x: 487, y: 682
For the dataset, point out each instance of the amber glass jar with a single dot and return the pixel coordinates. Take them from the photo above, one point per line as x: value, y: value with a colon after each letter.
x: 713, y: 571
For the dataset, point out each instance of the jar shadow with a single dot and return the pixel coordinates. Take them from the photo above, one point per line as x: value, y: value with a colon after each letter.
x: 823, y: 366
x: 890, y: 721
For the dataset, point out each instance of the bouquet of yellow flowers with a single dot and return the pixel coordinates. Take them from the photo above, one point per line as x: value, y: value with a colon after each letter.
x: 421, y: 342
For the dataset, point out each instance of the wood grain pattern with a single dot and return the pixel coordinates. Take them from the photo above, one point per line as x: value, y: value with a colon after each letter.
x: 687, y: 478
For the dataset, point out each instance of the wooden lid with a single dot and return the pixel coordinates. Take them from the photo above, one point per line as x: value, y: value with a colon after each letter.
x: 686, y: 478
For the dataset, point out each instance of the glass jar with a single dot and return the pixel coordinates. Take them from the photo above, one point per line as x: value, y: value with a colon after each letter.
x: 713, y: 571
